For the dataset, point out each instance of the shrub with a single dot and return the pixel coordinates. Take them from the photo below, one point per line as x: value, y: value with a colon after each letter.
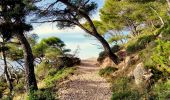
x: 42, y: 70
x: 51, y: 79
x: 140, y: 43
x: 62, y: 62
x: 76, y: 61
x: 102, y: 56
x: 52, y: 72
x: 40, y: 95
x: 161, y: 90
x: 165, y: 32
x: 20, y: 87
x: 161, y: 56
x: 107, y: 71
x: 3, y: 86
x: 122, y: 90
x: 126, y: 95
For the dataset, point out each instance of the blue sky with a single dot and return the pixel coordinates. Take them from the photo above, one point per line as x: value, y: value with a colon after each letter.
x: 73, y: 38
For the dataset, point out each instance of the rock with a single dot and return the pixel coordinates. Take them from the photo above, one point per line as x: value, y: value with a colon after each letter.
x: 134, y: 59
x: 127, y: 61
x: 141, y: 75
x: 160, y: 36
x: 107, y: 62
x: 138, y: 73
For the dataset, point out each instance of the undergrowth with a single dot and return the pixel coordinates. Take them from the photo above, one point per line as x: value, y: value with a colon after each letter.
x: 107, y: 71
x: 55, y: 76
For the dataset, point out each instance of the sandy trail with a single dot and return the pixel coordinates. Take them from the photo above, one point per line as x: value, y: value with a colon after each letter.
x: 86, y: 84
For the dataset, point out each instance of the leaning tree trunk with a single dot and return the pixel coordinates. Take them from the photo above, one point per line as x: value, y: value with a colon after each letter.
x: 7, y: 75
x: 105, y: 44
x: 107, y: 49
x: 94, y: 32
x: 29, y: 62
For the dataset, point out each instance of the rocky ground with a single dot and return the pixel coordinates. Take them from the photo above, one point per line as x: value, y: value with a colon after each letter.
x: 85, y: 84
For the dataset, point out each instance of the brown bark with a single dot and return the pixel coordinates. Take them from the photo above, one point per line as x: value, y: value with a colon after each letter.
x: 107, y: 49
x: 29, y: 62
x: 94, y: 32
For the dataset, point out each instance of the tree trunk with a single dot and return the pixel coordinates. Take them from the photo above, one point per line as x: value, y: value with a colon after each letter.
x: 107, y: 49
x: 94, y: 32
x: 29, y: 62
x: 105, y: 44
x: 7, y: 76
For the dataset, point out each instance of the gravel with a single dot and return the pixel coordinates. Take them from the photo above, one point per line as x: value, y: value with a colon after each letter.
x: 85, y: 84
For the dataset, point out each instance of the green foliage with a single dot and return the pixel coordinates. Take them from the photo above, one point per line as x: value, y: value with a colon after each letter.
x: 126, y: 95
x: 161, y: 56
x: 102, y: 56
x: 99, y: 26
x: 20, y: 87
x: 52, y: 72
x: 156, y: 57
x: 161, y: 91
x: 117, y: 38
x: 118, y: 14
x: 165, y: 32
x: 51, y: 48
x: 42, y: 69
x: 39, y: 49
x: 122, y: 90
x: 53, y: 42
x: 107, y: 71
x: 41, y: 95
x: 15, y: 52
x: 52, y: 53
x: 54, y: 77
x: 139, y: 43
x: 2, y: 88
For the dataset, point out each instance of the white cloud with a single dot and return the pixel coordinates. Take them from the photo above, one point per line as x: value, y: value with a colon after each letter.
x: 48, y: 28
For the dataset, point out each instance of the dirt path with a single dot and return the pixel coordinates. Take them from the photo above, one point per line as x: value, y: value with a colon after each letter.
x: 86, y: 84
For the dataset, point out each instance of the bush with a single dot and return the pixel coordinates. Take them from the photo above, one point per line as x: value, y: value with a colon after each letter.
x: 165, y: 32
x: 62, y: 62
x: 52, y: 72
x: 3, y: 86
x: 20, y: 87
x: 107, y: 71
x: 102, y: 56
x: 157, y: 58
x: 126, y: 95
x: 122, y: 90
x: 161, y: 91
x: 42, y: 70
x: 161, y: 56
x: 52, y: 78
x: 140, y: 43
x: 40, y: 95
